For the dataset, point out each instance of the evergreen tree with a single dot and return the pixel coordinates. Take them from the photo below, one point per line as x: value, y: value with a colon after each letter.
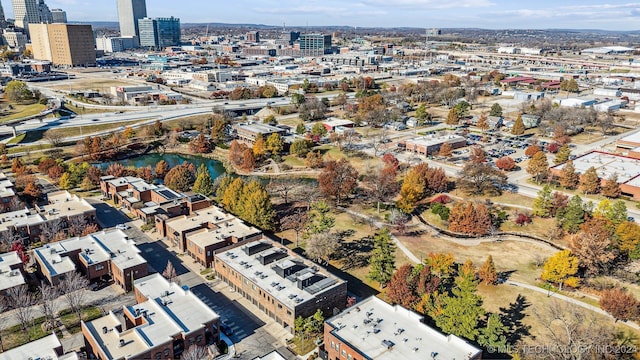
x: 496, y: 110
x: 568, y: 176
x: 562, y: 155
x: 382, y: 260
x: 590, y: 181
x: 300, y: 129
x: 204, y: 182
x: 518, y: 126
x: 494, y: 334
x: 572, y: 216
x: 320, y: 219
x: 543, y: 204
x: 462, y: 310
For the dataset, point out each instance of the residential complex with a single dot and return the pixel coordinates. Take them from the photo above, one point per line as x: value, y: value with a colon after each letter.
x: 166, y: 320
x: 61, y: 209
x: 8, y: 198
x: 280, y: 283
x: 204, y: 231
x: 63, y: 44
x: 249, y: 132
x: 103, y: 255
x: 374, y: 329
x: 11, y: 272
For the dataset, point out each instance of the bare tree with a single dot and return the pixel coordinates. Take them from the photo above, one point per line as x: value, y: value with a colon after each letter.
x: 49, y: 230
x: 23, y: 301
x: 283, y: 187
x: 309, y: 194
x: 74, y: 288
x: 195, y: 352
x: 378, y: 140
x: 76, y: 225
x: 54, y: 137
x: 7, y: 238
x: 48, y: 296
x: 350, y: 137
x: 321, y: 246
x: 571, y: 332
x: 170, y: 272
x: 296, y: 222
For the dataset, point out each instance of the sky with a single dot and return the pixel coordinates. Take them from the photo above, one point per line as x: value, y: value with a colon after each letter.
x: 489, y: 14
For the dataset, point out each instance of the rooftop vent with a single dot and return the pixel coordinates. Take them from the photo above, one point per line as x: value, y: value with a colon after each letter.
x: 122, y: 343
x: 104, y: 330
x: 388, y: 344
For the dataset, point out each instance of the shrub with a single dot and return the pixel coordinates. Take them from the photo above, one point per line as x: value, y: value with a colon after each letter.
x: 441, y: 211
x: 441, y: 199
x: 523, y: 219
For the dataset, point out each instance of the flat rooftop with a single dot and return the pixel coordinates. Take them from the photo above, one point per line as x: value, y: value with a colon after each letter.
x: 96, y: 248
x: 211, y: 215
x: 6, y: 186
x: 285, y: 276
x: 39, y: 349
x: 631, y: 138
x: 109, y: 341
x: 19, y: 218
x: 606, y: 165
x: 9, y: 277
x: 334, y: 122
x: 259, y: 128
x: 386, y: 332
x: 222, y: 231
x: 63, y: 204
x: 431, y: 140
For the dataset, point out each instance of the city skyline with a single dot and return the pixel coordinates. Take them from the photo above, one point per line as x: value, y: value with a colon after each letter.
x: 490, y: 14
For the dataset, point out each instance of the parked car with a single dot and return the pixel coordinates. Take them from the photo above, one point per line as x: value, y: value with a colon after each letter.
x: 123, y: 227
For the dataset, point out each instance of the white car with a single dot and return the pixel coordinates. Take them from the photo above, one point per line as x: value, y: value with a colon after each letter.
x: 122, y: 227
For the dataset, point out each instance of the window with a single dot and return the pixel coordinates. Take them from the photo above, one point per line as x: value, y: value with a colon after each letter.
x: 199, y: 338
x: 333, y: 345
x: 344, y: 352
x: 279, y: 306
x: 99, y: 267
x: 349, y: 357
x: 158, y: 355
x: 166, y: 352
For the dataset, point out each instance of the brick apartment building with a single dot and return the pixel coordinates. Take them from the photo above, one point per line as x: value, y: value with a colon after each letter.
x: 103, y: 255
x: 280, y: 283
x: 166, y: 320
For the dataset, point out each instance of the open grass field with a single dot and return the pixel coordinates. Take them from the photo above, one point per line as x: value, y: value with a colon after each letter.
x: 18, y: 111
x: 86, y: 110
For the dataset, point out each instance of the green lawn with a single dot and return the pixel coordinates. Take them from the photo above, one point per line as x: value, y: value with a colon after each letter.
x: 86, y: 110
x: 14, y: 336
x: 71, y: 322
x: 29, y: 148
x: 294, y: 161
x: 20, y: 111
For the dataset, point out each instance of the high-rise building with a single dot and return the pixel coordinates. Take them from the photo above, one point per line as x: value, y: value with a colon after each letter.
x: 26, y: 12
x: 3, y: 20
x: 63, y: 44
x: 159, y: 33
x: 315, y: 44
x: 44, y: 13
x: 253, y: 36
x: 129, y: 12
x: 59, y: 16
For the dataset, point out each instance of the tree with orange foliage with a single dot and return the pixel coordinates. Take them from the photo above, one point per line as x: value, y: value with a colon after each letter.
x: 248, y: 161
x: 593, y: 246
x: 338, y: 179
x: 402, y: 286
x: 236, y: 151
x: 470, y: 218
x: 200, y: 144
x: 620, y: 303
x: 487, y: 273
x: 162, y: 168
x: 532, y: 150
x: 445, y: 150
x: 477, y: 155
x: 505, y: 163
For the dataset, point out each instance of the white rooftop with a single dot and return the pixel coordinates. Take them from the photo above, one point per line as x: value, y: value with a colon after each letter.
x: 39, y: 349
x: 224, y: 230
x: 606, y: 165
x: 633, y: 138
x: 284, y: 289
x: 95, y: 248
x: 431, y: 140
x: 211, y: 215
x: 6, y: 186
x: 334, y: 122
x: 19, y: 218
x: 9, y: 277
x: 63, y: 204
x: 274, y: 355
x: 386, y: 332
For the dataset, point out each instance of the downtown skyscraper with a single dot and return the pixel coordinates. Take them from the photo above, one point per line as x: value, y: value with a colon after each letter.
x: 31, y: 12
x: 129, y: 12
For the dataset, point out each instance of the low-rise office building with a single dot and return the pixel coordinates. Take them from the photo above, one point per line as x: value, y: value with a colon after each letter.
x: 430, y: 144
x: 250, y: 131
x: 374, y: 329
x: 280, y: 283
x: 166, y: 320
x: 98, y: 256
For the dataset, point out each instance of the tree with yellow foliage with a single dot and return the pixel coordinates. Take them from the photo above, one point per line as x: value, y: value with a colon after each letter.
x: 560, y: 269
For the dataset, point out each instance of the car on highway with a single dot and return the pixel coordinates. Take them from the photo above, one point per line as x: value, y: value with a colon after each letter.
x: 123, y: 227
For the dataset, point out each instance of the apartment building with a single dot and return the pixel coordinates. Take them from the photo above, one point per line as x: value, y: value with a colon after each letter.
x: 207, y: 230
x: 8, y: 197
x: 103, y: 255
x: 48, y: 347
x: 166, y: 320
x: 374, y: 329
x: 279, y: 282
x: 62, y: 207
x: 11, y: 272
x: 63, y: 44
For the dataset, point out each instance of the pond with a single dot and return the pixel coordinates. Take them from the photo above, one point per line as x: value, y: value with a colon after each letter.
x: 215, y: 167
